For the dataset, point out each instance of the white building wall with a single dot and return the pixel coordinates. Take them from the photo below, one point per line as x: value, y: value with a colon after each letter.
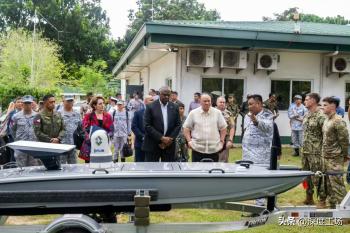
x: 295, y: 66
x: 134, y: 79
x: 292, y: 66
x: 161, y: 70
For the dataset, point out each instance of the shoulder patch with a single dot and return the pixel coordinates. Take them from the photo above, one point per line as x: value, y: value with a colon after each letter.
x: 37, y: 121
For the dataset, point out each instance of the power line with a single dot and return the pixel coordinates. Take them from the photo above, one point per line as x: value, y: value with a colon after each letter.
x: 53, y: 26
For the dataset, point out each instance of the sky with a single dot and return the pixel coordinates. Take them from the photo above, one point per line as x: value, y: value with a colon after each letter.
x: 233, y: 10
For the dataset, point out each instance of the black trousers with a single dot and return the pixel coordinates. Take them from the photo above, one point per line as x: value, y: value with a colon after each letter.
x: 139, y: 155
x: 198, y: 156
x: 166, y: 155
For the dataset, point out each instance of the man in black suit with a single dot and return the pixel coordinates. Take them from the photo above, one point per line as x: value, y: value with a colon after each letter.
x: 162, y: 125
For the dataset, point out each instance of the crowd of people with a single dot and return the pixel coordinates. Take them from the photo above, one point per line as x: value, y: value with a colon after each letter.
x: 159, y: 129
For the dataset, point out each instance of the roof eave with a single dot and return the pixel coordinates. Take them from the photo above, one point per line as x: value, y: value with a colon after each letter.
x: 152, y: 28
x: 133, y: 46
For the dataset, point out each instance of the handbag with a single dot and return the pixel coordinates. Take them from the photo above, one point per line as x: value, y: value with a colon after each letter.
x: 127, y: 147
x: 79, y: 136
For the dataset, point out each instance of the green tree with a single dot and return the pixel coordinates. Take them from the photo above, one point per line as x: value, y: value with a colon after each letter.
x: 164, y: 10
x: 9, y: 91
x: 94, y: 77
x: 80, y: 27
x: 17, y: 52
x: 288, y: 15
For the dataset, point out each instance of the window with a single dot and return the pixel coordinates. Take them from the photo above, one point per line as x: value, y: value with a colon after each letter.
x: 347, y: 96
x: 234, y: 86
x: 169, y: 83
x: 285, y: 90
x: 219, y: 87
x: 282, y: 91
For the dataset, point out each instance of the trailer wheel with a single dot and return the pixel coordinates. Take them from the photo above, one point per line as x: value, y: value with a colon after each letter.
x: 73, y: 230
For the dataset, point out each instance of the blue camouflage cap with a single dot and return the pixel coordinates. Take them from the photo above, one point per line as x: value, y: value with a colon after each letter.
x: 27, y: 99
x: 69, y: 97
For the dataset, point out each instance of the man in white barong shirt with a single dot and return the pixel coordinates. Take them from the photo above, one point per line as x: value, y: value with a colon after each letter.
x: 205, y: 131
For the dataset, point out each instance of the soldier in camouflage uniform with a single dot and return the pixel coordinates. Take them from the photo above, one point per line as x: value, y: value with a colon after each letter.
x: 221, y: 105
x: 181, y: 150
x: 233, y: 107
x: 271, y: 104
x: 48, y: 124
x: 311, y: 159
x: 22, y: 128
x: 71, y: 121
x: 334, y: 151
x: 243, y: 111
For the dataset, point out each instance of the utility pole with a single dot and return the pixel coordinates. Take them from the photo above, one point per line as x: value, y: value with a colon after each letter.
x: 32, y: 76
x: 152, y: 17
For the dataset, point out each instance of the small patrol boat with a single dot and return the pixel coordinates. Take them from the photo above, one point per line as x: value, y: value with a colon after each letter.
x: 79, y: 188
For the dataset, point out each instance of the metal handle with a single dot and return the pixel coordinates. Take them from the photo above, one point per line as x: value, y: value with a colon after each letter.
x: 100, y: 170
x: 244, y: 161
x: 207, y: 160
x: 246, y: 165
x: 216, y: 169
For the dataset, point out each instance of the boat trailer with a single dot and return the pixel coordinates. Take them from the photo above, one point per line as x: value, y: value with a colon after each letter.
x: 139, y: 221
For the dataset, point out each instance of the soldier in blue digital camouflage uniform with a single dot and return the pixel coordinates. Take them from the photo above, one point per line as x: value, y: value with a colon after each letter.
x: 22, y: 129
x: 71, y: 121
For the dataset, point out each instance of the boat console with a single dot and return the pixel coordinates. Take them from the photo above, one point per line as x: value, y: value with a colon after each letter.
x: 48, y: 153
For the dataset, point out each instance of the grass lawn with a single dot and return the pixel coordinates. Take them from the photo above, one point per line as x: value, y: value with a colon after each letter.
x: 292, y: 197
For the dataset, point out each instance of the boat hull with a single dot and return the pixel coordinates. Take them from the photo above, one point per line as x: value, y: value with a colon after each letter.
x: 75, y: 186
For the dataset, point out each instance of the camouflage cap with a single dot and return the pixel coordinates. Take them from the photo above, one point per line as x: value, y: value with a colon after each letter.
x: 69, y: 97
x: 120, y: 102
x: 27, y: 99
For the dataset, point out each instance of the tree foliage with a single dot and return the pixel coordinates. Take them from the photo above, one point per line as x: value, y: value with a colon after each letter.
x: 17, y: 51
x: 80, y: 27
x: 9, y: 91
x: 94, y: 77
x: 288, y: 14
x: 164, y: 10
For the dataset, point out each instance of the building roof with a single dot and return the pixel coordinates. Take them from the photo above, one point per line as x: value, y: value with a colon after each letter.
x: 264, y: 26
x: 289, y: 35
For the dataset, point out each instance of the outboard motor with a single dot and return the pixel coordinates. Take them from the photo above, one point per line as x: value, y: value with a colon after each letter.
x: 101, y: 155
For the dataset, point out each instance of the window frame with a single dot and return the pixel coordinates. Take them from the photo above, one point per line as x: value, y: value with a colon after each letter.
x: 223, y: 77
x: 291, y: 80
x: 346, y: 98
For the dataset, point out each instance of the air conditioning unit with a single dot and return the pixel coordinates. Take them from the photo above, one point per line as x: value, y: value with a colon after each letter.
x: 200, y: 57
x: 267, y: 61
x: 233, y: 59
x: 341, y: 64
